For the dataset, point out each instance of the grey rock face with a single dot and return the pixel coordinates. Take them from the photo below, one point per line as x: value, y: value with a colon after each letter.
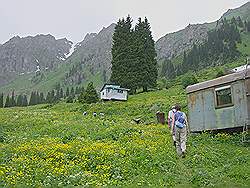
x: 176, y: 43
x: 95, y: 50
x: 242, y: 11
x: 25, y: 55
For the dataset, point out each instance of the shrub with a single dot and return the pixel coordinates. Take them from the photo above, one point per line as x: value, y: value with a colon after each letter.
x: 89, y: 96
x: 188, y: 79
x: 161, y: 83
x: 219, y: 73
x: 70, y: 99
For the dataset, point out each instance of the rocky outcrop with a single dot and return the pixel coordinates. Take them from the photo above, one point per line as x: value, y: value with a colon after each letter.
x: 91, y: 56
x: 242, y: 11
x: 174, y: 44
x: 30, y: 54
x: 94, y: 51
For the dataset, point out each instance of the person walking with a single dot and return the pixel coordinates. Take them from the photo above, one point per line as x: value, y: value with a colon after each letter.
x: 170, y: 120
x: 180, y: 124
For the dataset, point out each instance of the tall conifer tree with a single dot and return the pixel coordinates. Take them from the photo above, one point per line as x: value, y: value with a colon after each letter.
x: 52, y: 96
x: 90, y: 95
x: 7, y: 102
x: 67, y: 92
x: 48, y: 97
x: 122, y: 54
x: 32, y: 99
x: 25, y: 101
x: 12, y: 100
x: 168, y: 70
x: 41, y: 96
x: 61, y: 93
x: 146, y: 66
x: 19, y: 100
x: 1, y: 100
x: 37, y: 98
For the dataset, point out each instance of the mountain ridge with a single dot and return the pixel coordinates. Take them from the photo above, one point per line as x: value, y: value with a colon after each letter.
x: 23, y: 55
x: 93, y: 54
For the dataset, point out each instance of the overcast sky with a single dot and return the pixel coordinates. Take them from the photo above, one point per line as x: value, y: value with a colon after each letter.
x: 73, y: 19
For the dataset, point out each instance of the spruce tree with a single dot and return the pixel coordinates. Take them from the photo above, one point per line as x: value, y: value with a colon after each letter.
x: 233, y: 21
x: 52, y: 96
x: 67, y: 92
x: 37, y: 98
x: 48, y: 97
x: 146, y: 64
x: 25, y: 101
x: 170, y: 73
x: 184, y: 64
x: 245, y: 25
x: 12, y: 100
x: 7, y: 102
x: 32, y: 99
x: 1, y: 100
x: 72, y: 92
x: 240, y: 22
x: 61, y: 93
x: 90, y: 95
x: 248, y: 26
x: 81, y: 95
x: 41, y: 97
x: 57, y: 97
x: 163, y: 69
x: 168, y: 70
x: 19, y: 100
x: 123, y: 54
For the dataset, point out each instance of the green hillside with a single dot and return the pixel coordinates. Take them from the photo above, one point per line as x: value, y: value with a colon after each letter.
x: 242, y: 11
x: 244, y: 47
x: 23, y: 83
x: 56, y: 146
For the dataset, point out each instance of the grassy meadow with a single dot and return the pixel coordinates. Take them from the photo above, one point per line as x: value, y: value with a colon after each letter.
x: 56, y: 146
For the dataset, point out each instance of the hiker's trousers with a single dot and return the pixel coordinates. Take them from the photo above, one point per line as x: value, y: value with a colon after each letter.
x: 181, y: 139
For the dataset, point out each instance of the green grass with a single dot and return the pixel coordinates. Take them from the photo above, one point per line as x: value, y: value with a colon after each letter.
x: 56, y: 146
x: 24, y: 85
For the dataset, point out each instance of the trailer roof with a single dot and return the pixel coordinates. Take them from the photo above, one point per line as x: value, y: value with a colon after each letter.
x: 113, y: 86
x: 219, y: 81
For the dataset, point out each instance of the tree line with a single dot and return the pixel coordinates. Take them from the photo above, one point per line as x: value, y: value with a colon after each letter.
x: 219, y: 48
x: 55, y: 95
x: 134, y: 64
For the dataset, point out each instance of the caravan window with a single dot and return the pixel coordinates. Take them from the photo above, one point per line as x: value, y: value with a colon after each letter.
x: 120, y: 91
x: 223, y: 96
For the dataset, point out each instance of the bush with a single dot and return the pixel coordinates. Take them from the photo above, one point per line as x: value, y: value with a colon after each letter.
x: 219, y: 73
x: 189, y: 79
x: 89, y: 96
x: 163, y: 83
x: 70, y: 99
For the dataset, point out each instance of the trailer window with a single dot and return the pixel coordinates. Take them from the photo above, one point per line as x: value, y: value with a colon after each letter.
x: 223, y: 96
x: 120, y: 91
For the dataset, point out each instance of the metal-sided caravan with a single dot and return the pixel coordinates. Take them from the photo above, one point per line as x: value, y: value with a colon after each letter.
x: 220, y: 103
x: 114, y: 92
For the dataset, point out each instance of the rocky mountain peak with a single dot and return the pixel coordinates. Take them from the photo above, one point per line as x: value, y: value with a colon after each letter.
x: 89, y: 36
x: 174, y: 44
x: 23, y: 55
x: 95, y: 50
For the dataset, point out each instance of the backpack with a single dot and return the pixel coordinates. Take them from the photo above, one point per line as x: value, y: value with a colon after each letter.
x: 179, y: 119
